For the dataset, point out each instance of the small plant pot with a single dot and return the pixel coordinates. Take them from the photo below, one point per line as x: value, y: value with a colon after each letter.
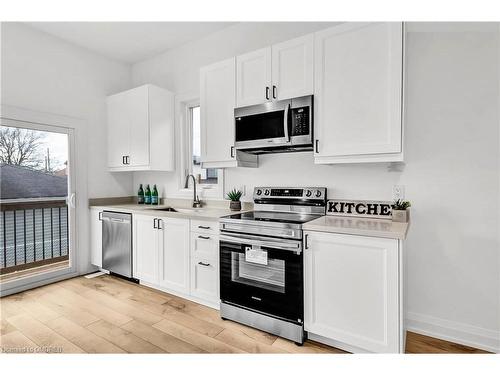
x: 235, y: 205
x: 401, y: 216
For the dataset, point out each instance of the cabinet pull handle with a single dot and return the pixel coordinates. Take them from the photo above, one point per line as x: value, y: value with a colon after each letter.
x: 232, y: 151
x: 123, y: 159
x: 154, y: 223
x: 267, y: 92
x: 159, y: 224
x: 204, y: 264
x: 316, y: 146
x: 204, y: 237
x: 203, y: 227
x: 128, y: 159
x: 306, y: 244
x: 100, y: 215
x: 274, y: 92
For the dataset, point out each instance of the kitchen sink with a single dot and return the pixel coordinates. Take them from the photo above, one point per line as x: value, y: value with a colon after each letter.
x: 171, y: 209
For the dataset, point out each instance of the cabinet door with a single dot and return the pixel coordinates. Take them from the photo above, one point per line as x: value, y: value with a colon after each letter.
x: 95, y: 237
x: 205, y: 279
x: 145, y: 251
x: 118, y: 129
x: 352, y: 290
x: 174, y: 254
x: 217, y: 101
x: 358, y: 83
x: 137, y: 108
x: 253, y: 77
x: 293, y: 68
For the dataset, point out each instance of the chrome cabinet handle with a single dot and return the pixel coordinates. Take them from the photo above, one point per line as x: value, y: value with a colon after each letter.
x: 159, y: 224
x: 127, y: 158
x: 203, y: 227
x: 306, y: 244
x: 204, y: 237
x: 274, y: 92
x: 317, y: 146
x: 204, y: 264
x: 267, y: 92
x: 154, y: 223
x: 232, y: 151
x: 123, y: 160
x: 100, y: 215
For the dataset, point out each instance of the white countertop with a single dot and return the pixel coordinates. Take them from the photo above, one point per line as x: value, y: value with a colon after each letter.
x: 358, y: 226
x: 204, y: 213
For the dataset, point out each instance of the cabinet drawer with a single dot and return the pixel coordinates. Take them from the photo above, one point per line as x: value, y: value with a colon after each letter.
x: 205, y: 226
x: 205, y: 279
x: 204, y: 245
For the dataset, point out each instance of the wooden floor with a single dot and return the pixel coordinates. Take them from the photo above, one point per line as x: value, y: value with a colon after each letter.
x: 109, y: 315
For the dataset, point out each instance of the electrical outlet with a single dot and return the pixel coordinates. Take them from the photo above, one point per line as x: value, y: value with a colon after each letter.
x: 398, y: 192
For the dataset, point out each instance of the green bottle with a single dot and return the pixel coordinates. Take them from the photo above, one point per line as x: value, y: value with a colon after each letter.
x: 154, y: 195
x: 147, y: 196
x: 140, y: 195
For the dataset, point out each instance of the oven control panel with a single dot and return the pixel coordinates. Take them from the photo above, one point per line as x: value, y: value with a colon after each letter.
x: 289, y: 193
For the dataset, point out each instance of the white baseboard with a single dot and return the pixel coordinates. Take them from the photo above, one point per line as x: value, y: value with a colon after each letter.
x: 459, y: 333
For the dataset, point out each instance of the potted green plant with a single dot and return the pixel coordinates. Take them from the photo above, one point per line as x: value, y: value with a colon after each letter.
x: 400, y: 211
x: 234, y: 196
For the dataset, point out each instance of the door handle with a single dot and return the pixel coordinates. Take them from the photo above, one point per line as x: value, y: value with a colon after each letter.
x: 154, y: 223
x: 100, y: 215
x: 123, y: 160
x: 159, y: 224
x: 274, y: 92
x: 285, y: 124
x: 267, y: 92
x: 204, y: 264
x: 71, y: 200
x: 316, y: 143
x: 127, y: 159
x: 232, y: 151
x: 306, y: 245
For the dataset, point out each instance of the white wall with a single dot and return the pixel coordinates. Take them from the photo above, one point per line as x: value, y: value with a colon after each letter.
x: 451, y: 173
x: 44, y: 73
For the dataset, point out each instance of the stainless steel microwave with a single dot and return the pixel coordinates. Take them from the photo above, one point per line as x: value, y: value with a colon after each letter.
x: 280, y: 126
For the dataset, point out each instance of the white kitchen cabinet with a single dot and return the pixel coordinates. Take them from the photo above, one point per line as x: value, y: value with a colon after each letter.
x: 174, y: 254
x: 141, y: 130
x: 217, y: 102
x: 253, y: 77
x: 358, y: 93
x: 352, y: 291
x: 205, y: 279
x: 146, y: 249
x: 95, y: 237
x: 292, y: 68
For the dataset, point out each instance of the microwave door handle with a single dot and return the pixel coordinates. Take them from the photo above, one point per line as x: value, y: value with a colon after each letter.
x: 285, y: 123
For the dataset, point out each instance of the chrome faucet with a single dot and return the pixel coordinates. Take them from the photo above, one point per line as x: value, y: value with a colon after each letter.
x: 196, y: 200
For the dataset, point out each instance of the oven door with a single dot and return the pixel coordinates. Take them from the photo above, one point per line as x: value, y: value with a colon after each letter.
x: 257, y: 274
x: 262, y: 126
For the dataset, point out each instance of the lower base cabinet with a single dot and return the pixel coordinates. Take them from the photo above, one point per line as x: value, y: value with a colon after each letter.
x: 352, y: 291
x: 169, y: 256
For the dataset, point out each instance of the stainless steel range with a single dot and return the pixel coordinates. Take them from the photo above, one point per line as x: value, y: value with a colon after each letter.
x: 261, y: 260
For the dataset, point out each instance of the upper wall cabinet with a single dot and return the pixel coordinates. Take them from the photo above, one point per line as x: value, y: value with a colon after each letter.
x: 217, y: 101
x: 358, y: 93
x: 293, y: 64
x: 282, y: 71
x: 141, y: 130
x: 253, y: 77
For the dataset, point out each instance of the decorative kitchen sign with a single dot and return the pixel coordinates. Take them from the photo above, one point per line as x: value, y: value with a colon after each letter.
x: 371, y: 209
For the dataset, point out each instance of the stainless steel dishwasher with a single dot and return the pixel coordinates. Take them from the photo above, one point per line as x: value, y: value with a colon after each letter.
x: 117, y: 243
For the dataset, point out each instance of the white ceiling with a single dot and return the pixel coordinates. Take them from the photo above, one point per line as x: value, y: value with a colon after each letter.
x: 129, y: 42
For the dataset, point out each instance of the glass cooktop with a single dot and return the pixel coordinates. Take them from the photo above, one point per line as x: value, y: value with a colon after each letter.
x: 277, y: 217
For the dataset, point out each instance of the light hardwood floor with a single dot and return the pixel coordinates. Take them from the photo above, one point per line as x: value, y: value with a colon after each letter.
x: 110, y: 315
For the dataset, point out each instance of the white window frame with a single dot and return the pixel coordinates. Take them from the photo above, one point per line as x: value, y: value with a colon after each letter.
x: 183, y: 105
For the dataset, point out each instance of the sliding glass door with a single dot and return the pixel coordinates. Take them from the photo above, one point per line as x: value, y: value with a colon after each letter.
x: 37, y: 222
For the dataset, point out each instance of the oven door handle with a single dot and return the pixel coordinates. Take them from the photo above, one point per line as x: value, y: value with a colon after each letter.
x: 295, y: 246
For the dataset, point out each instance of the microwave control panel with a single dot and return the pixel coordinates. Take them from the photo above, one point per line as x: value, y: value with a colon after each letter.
x: 300, y: 121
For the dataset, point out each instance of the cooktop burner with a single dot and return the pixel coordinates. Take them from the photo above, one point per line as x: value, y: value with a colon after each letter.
x: 277, y: 217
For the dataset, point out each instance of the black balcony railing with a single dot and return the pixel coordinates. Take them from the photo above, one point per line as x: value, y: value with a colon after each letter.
x: 33, y: 233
